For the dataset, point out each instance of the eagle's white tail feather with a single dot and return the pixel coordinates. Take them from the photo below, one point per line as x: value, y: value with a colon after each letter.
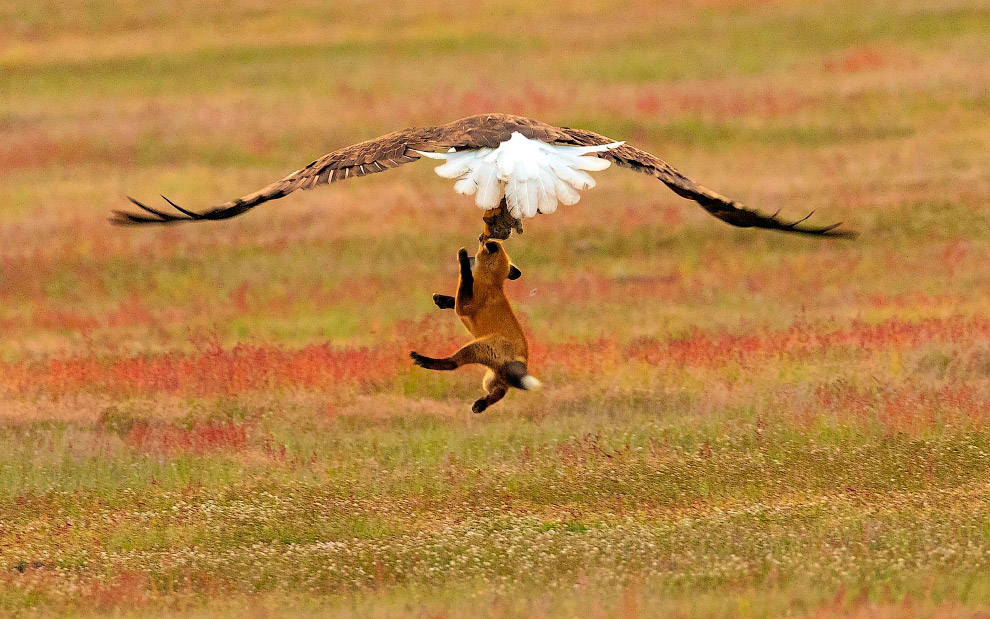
x: 457, y: 164
x: 532, y: 175
x: 466, y: 186
x: 548, y: 194
x: 577, y: 151
x: 576, y: 178
x: 533, y: 191
x: 591, y: 164
x: 424, y: 153
x: 565, y: 193
x: 469, y: 183
x: 490, y: 190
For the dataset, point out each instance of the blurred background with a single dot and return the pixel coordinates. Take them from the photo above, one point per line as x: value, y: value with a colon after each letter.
x: 214, y: 406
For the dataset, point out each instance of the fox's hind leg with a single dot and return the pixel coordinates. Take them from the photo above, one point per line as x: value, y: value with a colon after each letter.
x: 485, y: 351
x: 432, y: 363
x: 496, y: 391
x: 481, y: 404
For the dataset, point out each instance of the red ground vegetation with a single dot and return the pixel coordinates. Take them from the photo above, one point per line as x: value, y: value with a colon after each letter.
x: 215, y: 370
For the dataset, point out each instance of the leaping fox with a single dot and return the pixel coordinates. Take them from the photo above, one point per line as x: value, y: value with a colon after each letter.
x: 482, y: 306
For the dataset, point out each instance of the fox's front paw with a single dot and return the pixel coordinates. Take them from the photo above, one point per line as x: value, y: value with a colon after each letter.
x: 417, y: 358
x: 462, y: 254
x: 479, y: 406
x: 444, y: 301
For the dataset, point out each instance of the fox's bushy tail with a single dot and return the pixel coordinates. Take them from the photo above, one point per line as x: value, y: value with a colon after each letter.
x: 518, y: 376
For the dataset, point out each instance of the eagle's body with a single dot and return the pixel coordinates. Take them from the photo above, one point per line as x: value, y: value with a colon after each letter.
x: 515, y: 167
x: 530, y: 175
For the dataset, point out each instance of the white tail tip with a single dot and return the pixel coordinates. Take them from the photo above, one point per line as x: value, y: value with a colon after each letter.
x: 530, y: 383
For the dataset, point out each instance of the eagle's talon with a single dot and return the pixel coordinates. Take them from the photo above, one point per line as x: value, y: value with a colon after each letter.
x: 499, y: 223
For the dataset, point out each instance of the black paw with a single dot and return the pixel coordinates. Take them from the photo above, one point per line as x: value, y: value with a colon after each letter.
x: 462, y: 254
x: 417, y: 358
x: 479, y: 406
x: 443, y: 301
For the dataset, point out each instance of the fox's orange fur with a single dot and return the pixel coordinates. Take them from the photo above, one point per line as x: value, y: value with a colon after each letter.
x: 482, y: 306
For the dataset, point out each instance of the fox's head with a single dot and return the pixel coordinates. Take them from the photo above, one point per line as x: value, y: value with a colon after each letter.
x: 491, y: 262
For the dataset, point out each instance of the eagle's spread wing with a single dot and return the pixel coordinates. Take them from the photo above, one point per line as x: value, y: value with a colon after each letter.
x: 369, y: 157
x: 727, y: 210
x: 473, y: 132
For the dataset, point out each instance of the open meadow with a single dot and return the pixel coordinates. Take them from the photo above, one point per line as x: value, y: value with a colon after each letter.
x: 221, y: 419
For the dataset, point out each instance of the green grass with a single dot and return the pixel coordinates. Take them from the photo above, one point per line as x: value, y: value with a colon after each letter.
x: 608, y: 494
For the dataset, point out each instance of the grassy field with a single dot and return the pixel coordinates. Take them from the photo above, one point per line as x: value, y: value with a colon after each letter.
x: 222, y: 419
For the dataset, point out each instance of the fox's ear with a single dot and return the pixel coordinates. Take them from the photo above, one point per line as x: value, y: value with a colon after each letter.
x: 514, y: 273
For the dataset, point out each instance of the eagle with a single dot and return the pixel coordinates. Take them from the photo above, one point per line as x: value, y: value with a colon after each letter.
x: 515, y: 167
